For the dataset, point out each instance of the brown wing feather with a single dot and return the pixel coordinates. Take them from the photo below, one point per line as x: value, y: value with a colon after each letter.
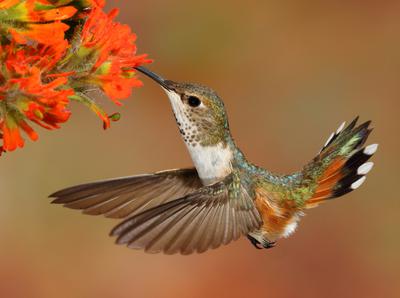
x: 204, y: 219
x: 127, y: 196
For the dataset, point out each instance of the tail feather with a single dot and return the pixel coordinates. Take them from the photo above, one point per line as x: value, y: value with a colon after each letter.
x: 340, y: 131
x: 342, y: 163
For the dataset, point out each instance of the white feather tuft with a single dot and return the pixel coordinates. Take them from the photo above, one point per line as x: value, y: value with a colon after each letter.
x: 290, y: 228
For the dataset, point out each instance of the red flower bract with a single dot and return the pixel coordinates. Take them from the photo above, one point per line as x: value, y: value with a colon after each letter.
x: 34, y: 20
x: 42, y: 69
x: 27, y: 93
x: 113, y: 47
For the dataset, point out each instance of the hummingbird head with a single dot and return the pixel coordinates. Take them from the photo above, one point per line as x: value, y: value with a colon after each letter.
x: 201, y: 118
x: 199, y: 111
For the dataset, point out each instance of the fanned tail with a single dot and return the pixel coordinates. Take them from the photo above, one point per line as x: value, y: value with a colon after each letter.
x: 341, y: 165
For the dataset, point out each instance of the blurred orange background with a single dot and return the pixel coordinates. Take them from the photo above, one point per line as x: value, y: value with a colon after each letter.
x: 289, y: 72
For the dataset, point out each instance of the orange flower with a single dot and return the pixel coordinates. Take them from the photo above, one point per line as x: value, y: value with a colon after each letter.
x: 36, y: 20
x: 5, y: 4
x: 41, y: 70
x: 112, y: 48
x: 11, y: 135
x: 27, y: 93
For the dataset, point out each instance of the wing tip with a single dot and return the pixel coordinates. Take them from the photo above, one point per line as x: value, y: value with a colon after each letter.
x: 56, y: 199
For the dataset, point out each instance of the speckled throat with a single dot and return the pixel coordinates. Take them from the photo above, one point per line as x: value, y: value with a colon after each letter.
x: 212, y: 155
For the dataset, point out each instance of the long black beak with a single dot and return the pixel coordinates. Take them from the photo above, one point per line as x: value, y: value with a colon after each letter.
x: 164, y: 83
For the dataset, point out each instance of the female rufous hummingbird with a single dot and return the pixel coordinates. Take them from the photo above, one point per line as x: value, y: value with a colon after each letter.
x: 224, y: 196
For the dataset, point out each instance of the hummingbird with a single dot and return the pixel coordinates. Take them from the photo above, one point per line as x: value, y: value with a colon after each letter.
x: 224, y: 196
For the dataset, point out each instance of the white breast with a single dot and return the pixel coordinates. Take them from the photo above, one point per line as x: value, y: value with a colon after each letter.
x: 212, y: 163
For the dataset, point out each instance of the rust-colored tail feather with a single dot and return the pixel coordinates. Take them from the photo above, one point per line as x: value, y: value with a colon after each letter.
x: 342, y: 164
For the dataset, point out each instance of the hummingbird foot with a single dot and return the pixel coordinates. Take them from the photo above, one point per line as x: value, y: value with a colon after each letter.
x: 266, y: 244
x: 255, y: 242
x: 269, y: 244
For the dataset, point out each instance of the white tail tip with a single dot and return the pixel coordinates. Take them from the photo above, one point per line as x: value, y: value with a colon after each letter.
x: 340, y: 128
x: 358, y: 183
x: 371, y: 149
x: 365, y: 168
x: 329, y: 139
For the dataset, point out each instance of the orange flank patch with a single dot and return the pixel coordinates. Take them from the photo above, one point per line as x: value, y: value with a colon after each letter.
x: 328, y: 180
x: 275, y: 213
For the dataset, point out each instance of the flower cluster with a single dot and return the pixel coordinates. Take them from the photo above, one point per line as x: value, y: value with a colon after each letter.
x: 56, y: 51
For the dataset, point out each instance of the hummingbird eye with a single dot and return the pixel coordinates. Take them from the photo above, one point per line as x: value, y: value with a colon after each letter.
x: 194, y: 101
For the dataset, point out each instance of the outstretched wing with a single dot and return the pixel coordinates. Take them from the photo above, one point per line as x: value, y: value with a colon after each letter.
x: 207, y: 218
x: 122, y: 197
